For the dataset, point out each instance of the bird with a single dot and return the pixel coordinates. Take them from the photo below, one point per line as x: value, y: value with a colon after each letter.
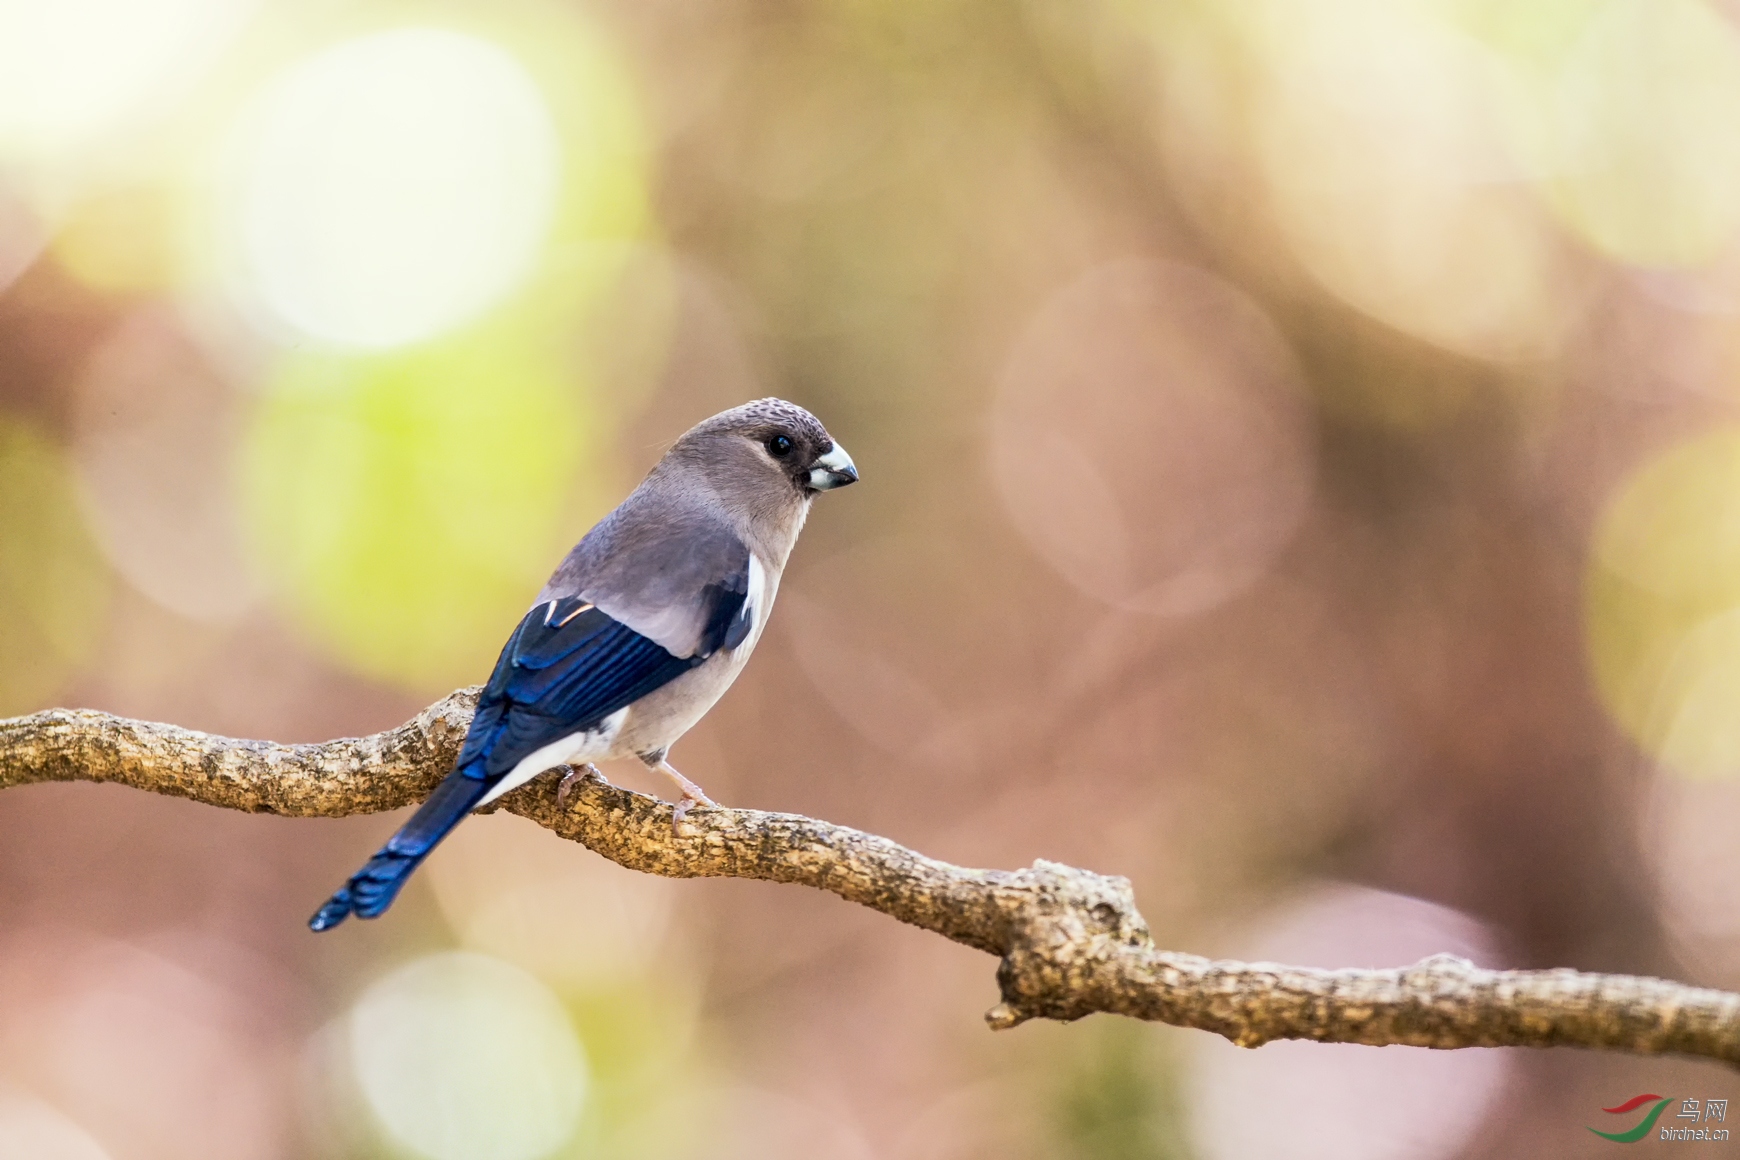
x: 638, y: 632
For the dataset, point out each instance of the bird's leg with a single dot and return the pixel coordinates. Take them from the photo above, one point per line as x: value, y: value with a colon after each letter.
x: 575, y: 774
x: 691, y: 796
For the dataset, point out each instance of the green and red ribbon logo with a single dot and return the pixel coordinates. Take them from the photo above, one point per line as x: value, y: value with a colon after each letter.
x: 1644, y: 1127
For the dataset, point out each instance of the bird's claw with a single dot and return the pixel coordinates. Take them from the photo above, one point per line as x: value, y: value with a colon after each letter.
x: 575, y: 775
x: 692, y: 797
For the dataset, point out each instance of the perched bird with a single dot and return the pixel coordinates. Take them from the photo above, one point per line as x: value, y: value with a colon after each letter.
x: 638, y: 632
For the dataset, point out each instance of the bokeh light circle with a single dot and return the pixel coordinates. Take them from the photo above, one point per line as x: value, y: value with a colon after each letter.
x: 32, y: 1130
x: 464, y: 1057
x: 1150, y: 440
x: 72, y: 69
x: 1390, y: 180
x: 407, y: 506
x: 54, y: 586
x: 1293, y: 1100
x: 1687, y: 836
x: 1366, y: 137
x: 154, y: 428
x: 576, y: 921
x: 1636, y: 131
x: 157, y: 1048
x: 1662, y: 606
x: 395, y: 185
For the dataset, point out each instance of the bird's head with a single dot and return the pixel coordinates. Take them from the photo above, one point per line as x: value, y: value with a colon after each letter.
x: 764, y: 454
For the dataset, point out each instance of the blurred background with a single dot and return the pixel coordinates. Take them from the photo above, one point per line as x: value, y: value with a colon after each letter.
x: 1301, y: 451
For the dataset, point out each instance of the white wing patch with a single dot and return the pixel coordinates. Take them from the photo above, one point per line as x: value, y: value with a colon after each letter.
x: 755, y: 603
x: 591, y: 745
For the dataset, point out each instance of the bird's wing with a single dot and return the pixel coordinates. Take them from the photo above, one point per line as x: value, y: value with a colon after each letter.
x: 660, y: 585
x: 659, y: 565
x: 569, y: 665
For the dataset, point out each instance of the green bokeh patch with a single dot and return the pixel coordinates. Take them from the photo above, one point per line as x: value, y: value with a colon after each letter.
x: 407, y: 506
x: 54, y: 585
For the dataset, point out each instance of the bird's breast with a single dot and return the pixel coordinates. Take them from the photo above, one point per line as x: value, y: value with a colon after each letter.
x: 668, y: 712
x: 665, y: 714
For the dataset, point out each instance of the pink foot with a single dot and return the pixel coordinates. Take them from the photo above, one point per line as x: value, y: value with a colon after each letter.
x: 681, y: 807
x: 577, y: 774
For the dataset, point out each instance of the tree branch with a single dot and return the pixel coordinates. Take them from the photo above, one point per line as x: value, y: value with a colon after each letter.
x: 1071, y: 942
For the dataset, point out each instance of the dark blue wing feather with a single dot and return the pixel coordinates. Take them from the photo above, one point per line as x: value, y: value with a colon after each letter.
x: 565, y: 669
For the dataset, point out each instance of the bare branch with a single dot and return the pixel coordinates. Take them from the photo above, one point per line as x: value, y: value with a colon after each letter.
x: 1071, y: 942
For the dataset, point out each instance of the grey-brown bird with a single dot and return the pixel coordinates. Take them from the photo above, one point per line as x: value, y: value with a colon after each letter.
x: 640, y: 630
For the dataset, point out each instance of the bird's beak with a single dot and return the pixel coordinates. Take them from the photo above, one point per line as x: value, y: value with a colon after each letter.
x: 835, y: 469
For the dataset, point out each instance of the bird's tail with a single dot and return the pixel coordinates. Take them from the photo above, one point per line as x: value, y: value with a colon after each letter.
x: 372, y: 889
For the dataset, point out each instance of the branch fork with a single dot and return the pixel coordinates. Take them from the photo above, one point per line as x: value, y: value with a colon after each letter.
x: 1070, y: 942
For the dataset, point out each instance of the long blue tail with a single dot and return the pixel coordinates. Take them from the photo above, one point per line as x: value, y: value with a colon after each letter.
x: 566, y: 668
x: 372, y: 889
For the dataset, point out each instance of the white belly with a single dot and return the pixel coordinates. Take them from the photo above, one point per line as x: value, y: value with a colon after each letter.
x: 592, y: 745
x: 656, y: 720
x: 663, y: 715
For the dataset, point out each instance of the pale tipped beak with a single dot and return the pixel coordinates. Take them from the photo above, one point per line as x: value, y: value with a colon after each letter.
x: 835, y: 469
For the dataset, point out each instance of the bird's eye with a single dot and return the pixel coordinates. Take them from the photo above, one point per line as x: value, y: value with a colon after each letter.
x: 779, y: 446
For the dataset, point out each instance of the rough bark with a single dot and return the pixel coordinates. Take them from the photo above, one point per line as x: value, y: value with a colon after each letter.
x: 1070, y: 942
